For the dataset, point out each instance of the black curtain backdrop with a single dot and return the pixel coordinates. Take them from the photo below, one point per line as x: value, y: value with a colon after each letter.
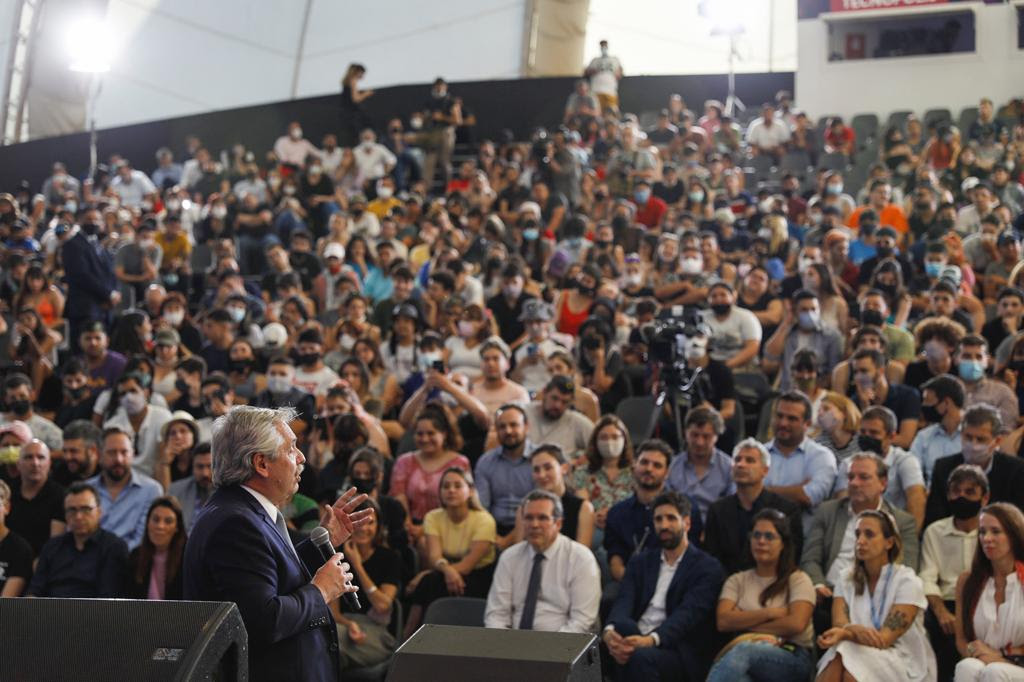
x: 518, y: 105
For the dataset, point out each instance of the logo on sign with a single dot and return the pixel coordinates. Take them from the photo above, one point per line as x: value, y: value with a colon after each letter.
x: 165, y: 654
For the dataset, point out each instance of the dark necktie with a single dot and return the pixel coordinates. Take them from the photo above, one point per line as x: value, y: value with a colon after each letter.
x: 532, y: 592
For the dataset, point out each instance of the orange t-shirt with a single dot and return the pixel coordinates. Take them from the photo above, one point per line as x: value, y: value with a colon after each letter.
x: 892, y: 215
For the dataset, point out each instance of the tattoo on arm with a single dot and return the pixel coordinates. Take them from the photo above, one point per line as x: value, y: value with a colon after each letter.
x: 897, y: 621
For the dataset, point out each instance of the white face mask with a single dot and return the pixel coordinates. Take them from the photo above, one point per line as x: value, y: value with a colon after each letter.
x: 316, y: 170
x: 296, y: 133
x: 633, y: 279
x: 219, y: 212
x: 427, y: 360
x: 466, y: 328
x: 692, y: 266
x: 174, y: 318
x: 173, y: 204
x: 133, y: 402
x: 611, y: 448
x: 278, y: 384
x: 976, y: 453
x: 346, y: 342
x: 384, y: 192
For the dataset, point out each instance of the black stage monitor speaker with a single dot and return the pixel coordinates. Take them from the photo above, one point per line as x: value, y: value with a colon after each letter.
x: 121, y: 639
x: 459, y: 654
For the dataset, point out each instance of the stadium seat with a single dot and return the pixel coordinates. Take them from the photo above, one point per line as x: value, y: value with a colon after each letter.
x: 647, y: 119
x: 934, y: 117
x: 967, y: 118
x: 834, y: 161
x: 796, y: 162
x: 760, y: 164
x: 865, y: 126
x: 465, y: 611
x: 898, y: 119
x: 640, y: 415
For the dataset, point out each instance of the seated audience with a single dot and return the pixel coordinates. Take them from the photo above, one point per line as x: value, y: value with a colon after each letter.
x: 702, y: 471
x: 15, y: 552
x: 155, y: 565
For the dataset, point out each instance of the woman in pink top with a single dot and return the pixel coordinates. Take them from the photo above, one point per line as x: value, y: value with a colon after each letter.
x: 416, y: 476
x: 155, y: 565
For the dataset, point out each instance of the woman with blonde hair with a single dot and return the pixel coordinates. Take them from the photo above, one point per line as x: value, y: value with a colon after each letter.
x: 839, y: 420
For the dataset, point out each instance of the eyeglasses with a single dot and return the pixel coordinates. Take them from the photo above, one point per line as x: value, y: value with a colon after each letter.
x: 72, y: 511
x: 767, y: 537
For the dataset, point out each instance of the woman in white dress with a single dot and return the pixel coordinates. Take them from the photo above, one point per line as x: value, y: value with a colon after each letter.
x: 990, y: 601
x: 877, y: 631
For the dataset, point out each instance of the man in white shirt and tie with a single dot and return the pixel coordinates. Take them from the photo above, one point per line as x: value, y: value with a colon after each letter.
x: 547, y: 582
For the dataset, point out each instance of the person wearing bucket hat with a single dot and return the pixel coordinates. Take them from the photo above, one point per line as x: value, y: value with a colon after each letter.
x: 178, y: 437
x: 530, y: 356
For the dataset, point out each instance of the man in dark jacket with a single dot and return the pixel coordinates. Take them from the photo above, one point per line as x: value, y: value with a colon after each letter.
x: 92, y: 287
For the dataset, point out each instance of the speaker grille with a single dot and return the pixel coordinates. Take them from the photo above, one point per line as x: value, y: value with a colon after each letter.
x: 115, y: 639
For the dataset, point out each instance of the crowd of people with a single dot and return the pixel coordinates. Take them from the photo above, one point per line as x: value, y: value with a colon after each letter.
x: 459, y: 344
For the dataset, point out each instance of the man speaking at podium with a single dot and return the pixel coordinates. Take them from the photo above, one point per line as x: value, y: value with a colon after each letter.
x: 239, y: 549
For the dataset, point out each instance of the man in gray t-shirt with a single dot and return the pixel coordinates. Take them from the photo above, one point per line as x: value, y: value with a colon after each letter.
x: 136, y: 263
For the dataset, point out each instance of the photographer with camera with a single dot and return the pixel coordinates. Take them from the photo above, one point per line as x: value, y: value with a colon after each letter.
x: 601, y: 363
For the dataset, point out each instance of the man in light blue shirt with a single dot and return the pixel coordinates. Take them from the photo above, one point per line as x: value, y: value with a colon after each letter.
x: 942, y: 402
x: 125, y: 494
x: 503, y: 475
x: 702, y: 471
x: 801, y: 470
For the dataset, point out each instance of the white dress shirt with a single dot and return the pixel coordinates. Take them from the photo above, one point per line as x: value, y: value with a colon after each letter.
x: 570, y: 588
x: 945, y: 553
x: 654, y: 614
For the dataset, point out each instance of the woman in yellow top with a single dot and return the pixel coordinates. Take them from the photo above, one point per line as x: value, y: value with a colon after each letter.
x: 460, y: 547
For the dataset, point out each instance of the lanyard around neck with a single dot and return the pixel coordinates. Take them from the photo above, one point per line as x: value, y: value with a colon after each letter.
x: 876, y: 614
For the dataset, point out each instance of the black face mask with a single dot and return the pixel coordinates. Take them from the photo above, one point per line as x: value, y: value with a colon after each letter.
x: 585, y: 290
x: 721, y: 309
x: 869, y: 444
x: 20, y: 407
x: 964, y: 509
x: 364, y: 486
x: 930, y: 413
x: 884, y: 251
x: 77, y: 393
x: 308, y: 358
x: 872, y: 317
x: 90, y: 229
x: 242, y: 365
x: 181, y: 386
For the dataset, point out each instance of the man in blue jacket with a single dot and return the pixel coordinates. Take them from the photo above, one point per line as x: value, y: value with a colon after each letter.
x: 661, y: 625
x: 240, y: 550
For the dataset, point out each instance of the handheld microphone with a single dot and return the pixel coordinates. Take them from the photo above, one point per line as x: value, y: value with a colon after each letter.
x: 321, y: 539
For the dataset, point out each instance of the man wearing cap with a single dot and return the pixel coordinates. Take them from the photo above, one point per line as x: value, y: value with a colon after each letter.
x: 886, y: 246
x: 178, y: 437
x: 37, y: 511
x: 508, y: 304
x: 968, y: 218
x: 530, y: 356
x: 175, y: 266
x: 325, y: 286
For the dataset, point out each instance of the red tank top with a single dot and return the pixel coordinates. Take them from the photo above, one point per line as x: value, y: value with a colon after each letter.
x: 568, y: 321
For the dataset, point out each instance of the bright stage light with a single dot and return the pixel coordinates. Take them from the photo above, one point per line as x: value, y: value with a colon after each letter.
x: 727, y: 17
x: 90, y: 46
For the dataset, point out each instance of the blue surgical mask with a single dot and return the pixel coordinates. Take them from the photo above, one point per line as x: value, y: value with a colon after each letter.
x: 970, y: 370
x: 237, y: 314
x: 808, y: 320
x: 697, y: 196
x: 834, y: 189
x: 642, y: 196
x: 531, y: 234
x: 933, y: 269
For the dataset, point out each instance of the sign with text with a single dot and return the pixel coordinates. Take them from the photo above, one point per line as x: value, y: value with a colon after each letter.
x: 862, y: 5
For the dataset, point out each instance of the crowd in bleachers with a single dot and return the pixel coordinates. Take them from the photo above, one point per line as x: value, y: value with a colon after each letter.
x: 742, y: 396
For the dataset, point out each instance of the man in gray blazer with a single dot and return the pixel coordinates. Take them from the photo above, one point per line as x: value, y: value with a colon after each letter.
x: 829, y: 545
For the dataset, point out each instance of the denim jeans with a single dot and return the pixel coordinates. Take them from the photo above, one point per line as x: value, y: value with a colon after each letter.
x: 761, y: 662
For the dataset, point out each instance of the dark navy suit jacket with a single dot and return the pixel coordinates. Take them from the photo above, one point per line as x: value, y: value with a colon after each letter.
x: 689, y: 604
x: 235, y: 553
x: 90, y: 279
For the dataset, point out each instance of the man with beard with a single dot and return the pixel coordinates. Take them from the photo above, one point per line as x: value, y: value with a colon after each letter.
x: 193, y: 491
x: 549, y: 420
x: 240, y: 549
x: 801, y: 470
x: 77, y: 399
x: 662, y: 619
x: 503, y: 475
x: 82, y: 443
x: 86, y: 561
x: 548, y: 582
x: 37, y: 511
x: 629, y: 527
x: 125, y: 494
x: 19, y: 396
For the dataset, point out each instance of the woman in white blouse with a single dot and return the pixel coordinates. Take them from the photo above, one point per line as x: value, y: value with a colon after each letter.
x: 877, y: 631
x: 990, y: 601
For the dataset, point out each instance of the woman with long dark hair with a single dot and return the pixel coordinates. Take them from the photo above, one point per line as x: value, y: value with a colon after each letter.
x: 156, y: 563
x: 877, y: 628
x: 353, y: 118
x: 133, y: 333
x: 771, y: 605
x: 990, y: 600
x: 607, y: 476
